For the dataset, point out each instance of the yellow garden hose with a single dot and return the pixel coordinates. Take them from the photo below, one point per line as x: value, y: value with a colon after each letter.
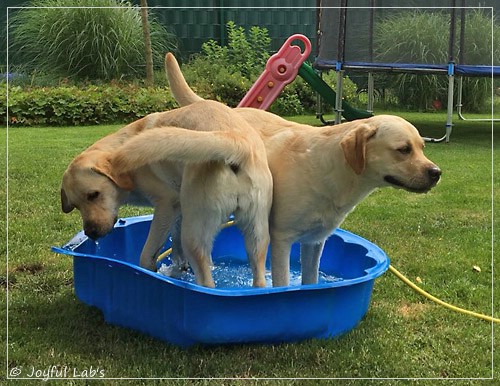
x: 401, y: 277
x: 164, y: 254
x: 417, y: 289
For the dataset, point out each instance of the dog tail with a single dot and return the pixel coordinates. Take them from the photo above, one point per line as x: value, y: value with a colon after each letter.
x: 180, y: 145
x: 179, y: 88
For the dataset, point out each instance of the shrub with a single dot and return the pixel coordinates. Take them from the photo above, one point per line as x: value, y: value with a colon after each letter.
x: 478, y: 50
x: 213, y: 81
x: 72, y: 105
x: 225, y: 73
x: 420, y: 40
x: 245, y: 53
x: 85, y: 42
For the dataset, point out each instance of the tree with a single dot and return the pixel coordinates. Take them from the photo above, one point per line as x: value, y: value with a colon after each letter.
x: 147, y: 44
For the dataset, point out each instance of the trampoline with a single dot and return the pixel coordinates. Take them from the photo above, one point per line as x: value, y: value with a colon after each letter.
x: 343, y: 48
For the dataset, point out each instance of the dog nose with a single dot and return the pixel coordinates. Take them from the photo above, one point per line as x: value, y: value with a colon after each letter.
x: 434, y: 174
x: 92, y: 233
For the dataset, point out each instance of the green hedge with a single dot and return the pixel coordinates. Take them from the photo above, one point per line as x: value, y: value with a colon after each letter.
x: 88, y: 105
x: 72, y: 105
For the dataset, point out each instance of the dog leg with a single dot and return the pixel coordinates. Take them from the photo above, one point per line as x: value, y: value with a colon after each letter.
x: 158, y: 232
x: 280, y: 262
x: 310, y: 254
x: 256, y: 243
x: 175, y: 232
x: 197, y: 235
x: 179, y: 262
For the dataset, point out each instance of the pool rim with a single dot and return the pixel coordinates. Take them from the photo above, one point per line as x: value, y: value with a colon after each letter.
x: 373, y: 251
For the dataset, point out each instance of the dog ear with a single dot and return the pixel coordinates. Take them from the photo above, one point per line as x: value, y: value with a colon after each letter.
x: 354, y: 146
x: 66, y: 205
x: 122, y: 180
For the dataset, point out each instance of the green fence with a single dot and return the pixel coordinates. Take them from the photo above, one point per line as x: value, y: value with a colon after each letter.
x: 206, y: 19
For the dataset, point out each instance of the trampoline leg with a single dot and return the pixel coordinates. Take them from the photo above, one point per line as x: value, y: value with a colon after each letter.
x: 371, y: 88
x: 459, y: 106
x: 338, y: 101
x: 459, y: 98
x: 319, y: 109
x: 449, y: 113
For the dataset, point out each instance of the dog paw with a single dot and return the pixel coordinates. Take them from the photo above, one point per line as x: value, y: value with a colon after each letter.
x: 172, y: 270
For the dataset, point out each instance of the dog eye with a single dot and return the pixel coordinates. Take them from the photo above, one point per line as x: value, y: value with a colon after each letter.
x: 405, y: 149
x: 92, y: 196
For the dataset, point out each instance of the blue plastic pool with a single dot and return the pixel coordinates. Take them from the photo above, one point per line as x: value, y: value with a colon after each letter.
x: 107, y: 276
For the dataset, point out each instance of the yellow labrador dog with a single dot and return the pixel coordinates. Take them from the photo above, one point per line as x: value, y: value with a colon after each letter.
x: 203, y: 159
x: 321, y: 173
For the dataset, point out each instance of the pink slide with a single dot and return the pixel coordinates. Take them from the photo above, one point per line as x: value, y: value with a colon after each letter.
x: 281, y: 69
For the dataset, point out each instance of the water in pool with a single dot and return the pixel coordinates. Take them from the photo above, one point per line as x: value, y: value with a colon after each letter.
x: 232, y: 273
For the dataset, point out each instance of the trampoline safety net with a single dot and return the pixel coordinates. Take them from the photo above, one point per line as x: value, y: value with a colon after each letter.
x: 364, y: 38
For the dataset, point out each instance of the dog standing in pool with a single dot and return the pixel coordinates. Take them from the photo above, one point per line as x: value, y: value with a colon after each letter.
x: 321, y: 173
x: 203, y: 159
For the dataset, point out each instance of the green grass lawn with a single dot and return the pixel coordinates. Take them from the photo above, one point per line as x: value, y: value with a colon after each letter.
x: 437, y: 237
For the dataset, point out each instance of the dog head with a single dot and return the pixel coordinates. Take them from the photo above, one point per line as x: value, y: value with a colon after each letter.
x: 90, y: 186
x: 389, y: 151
